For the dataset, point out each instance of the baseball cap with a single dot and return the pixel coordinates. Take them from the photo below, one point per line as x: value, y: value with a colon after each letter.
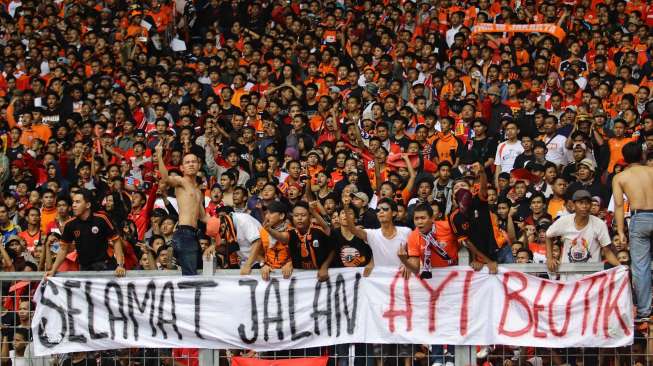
x: 580, y: 145
x: 372, y: 88
x: 318, y: 153
x: 361, y: 196
x: 493, y: 90
x: 12, y: 238
x: 589, y: 164
x: 543, y: 224
x: 334, y: 89
x: 159, y: 212
x: 139, y: 133
x: 580, y: 195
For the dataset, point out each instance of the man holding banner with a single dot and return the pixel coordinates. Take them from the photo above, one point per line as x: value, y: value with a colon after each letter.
x: 308, y: 244
x: 585, y: 237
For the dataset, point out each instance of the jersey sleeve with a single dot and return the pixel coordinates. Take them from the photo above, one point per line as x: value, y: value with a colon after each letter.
x: 108, y: 229
x: 67, y: 235
x: 459, y: 226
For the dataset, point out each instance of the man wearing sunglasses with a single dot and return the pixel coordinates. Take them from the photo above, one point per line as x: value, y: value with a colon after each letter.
x: 385, y: 241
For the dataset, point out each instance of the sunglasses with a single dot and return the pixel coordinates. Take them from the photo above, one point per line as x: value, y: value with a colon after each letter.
x: 384, y: 208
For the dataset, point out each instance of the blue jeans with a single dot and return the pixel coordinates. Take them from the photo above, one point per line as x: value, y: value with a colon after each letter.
x: 641, y: 232
x: 187, y: 249
x: 504, y: 254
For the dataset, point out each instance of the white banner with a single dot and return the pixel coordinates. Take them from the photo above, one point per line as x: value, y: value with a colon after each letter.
x: 457, y: 306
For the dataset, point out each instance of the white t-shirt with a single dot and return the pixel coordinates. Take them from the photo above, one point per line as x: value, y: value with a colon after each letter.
x: 506, y: 154
x: 385, y: 250
x: 556, y: 150
x: 580, y: 246
x: 247, y: 232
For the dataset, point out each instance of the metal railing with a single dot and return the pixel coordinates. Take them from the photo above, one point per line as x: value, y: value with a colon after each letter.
x: 17, y: 289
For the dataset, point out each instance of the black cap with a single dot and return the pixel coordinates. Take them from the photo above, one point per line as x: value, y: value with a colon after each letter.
x: 159, y: 212
x: 139, y: 132
x: 543, y: 224
x: 580, y: 195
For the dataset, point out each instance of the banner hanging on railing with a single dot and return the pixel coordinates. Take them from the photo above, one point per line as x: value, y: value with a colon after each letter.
x: 551, y: 29
x: 457, y: 306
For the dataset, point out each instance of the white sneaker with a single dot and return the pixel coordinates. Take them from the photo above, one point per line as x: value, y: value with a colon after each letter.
x: 449, y: 363
x: 437, y: 364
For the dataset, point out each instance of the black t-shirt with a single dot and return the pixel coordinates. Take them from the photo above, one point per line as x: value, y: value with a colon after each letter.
x: 483, y: 150
x: 350, y: 253
x: 476, y: 225
x: 91, y: 237
x: 523, y: 159
x: 310, y: 250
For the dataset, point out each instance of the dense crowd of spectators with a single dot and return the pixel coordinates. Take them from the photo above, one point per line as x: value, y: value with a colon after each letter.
x: 355, y: 133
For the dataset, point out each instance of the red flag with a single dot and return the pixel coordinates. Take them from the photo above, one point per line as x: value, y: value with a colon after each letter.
x: 309, y: 361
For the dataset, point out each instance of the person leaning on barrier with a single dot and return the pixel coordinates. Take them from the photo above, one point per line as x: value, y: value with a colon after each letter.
x: 274, y: 252
x: 92, y: 234
x: 584, y: 236
x: 431, y: 244
x: 308, y: 243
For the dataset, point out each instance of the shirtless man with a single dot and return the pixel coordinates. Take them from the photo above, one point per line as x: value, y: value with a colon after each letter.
x: 191, y: 209
x: 636, y: 182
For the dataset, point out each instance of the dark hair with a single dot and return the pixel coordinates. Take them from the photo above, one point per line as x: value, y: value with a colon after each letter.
x: 390, y: 202
x: 302, y: 204
x: 423, y: 207
x: 86, y: 194
x: 527, y: 251
x: 632, y: 152
x: 538, y: 195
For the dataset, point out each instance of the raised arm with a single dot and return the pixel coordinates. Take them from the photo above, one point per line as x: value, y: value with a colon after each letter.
x: 170, y: 181
x: 510, y: 227
x: 411, y: 171
x: 349, y: 224
x: 7, y: 263
x: 482, y: 180
x: 281, y: 236
x: 314, y: 210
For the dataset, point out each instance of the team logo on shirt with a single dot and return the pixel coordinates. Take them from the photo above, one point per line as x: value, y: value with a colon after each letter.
x: 77, y: 233
x: 579, y: 251
x: 95, y: 230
